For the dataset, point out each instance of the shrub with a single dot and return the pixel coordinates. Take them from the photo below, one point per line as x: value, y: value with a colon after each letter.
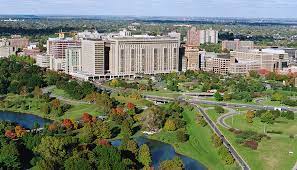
x: 182, y: 136
x: 219, y: 109
x: 251, y: 144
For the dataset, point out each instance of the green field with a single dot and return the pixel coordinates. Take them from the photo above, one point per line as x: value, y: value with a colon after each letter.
x: 271, y: 154
x: 199, y: 146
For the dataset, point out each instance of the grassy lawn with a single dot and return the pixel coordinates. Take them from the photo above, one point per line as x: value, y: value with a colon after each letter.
x: 139, y: 103
x: 60, y: 92
x: 199, y: 146
x: 271, y: 154
x: 76, y: 111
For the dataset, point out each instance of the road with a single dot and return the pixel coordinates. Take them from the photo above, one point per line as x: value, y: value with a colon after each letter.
x: 222, y: 118
x: 231, y: 149
x: 295, y: 167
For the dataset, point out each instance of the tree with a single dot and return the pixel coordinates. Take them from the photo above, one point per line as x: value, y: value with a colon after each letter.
x: 170, y: 125
x: 144, y: 155
x: 24, y: 91
x: 132, y: 146
x: 76, y: 163
x: 56, y: 104
x: 267, y: 117
x: 176, y: 164
x: 9, y: 156
x: 45, y: 109
x: 87, y: 118
x: 10, y: 134
x: 225, y: 155
x: 37, y: 92
x: 182, y: 136
x: 218, y: 96
x: 19, y: 131
x: 227, y: 96
x: 152, y: 118
x: 104, y: 101
x: 68, y: 124
x: 108, y: 158
x: 216, y: 140
x: 126, y: 128
x: 219, y: 109
x: 249, y: 116
x: 53, y: 149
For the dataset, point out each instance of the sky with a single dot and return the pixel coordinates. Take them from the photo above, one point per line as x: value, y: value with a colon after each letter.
x: 195, y: 8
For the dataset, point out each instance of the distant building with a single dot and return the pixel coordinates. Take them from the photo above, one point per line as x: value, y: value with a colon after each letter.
x: 196, y: 37
x: 73, y: 61
x: 143, y: 54
x: 193, y: 37
x: 18, y: 42
x: 5, y: 49
x: 209, y: 36
x: 89, y: 35
x: 244, y: 66
x: 237, y: 45
x: 43, y: 60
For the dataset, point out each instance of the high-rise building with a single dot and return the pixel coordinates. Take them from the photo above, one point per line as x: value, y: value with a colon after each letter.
x: 192, y: 57
x: 209, y: 36
x: 237, y: 45
x: 193, y: 37
x: 143, y: 54
x: 73, y: 61
x: 93, y: 56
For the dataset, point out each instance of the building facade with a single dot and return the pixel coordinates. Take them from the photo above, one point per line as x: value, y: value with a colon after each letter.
x: 237, y: 45
x: 196, y: 37
x: 43, y: 60
x: 73, y: 61
x: 218, y: 64
x: 192, y: 57
x: 144, y: 55
x: 270, y: 60
x: 93, y: 56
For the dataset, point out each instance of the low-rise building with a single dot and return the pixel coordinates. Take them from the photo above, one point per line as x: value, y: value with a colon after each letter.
x: 43, y: 60
x: 219, y: 64
x: 269, y: 59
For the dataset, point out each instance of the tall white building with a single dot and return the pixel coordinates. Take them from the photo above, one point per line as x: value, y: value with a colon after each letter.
x: 209, y: 36
x: 144, y: 54
x: 92, y: 57
x: 73, y: 59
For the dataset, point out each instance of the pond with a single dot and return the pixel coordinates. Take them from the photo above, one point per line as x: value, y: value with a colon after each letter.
x: 161, y: 151
x: 25, y: 120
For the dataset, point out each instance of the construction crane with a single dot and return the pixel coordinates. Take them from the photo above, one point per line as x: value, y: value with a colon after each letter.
x: 62, y: 34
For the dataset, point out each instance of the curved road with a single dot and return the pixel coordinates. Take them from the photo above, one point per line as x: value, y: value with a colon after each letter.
x: 222, y: 118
